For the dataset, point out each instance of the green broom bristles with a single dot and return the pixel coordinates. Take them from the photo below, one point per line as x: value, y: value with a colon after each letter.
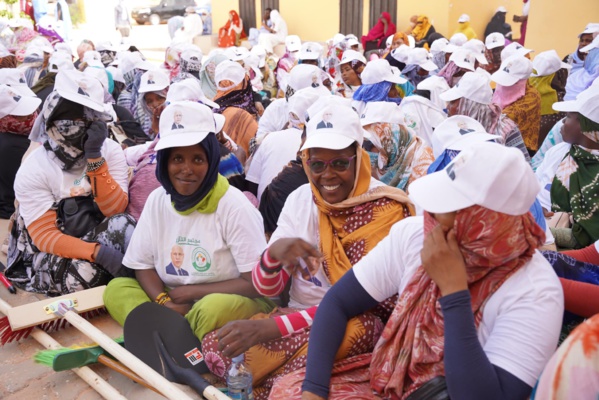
x: 46, y: 357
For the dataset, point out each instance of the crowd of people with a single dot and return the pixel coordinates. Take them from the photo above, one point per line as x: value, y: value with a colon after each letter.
x: 407, y: 221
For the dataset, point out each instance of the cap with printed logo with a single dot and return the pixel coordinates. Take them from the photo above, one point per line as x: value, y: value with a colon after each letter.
x: 334, y: 127
x: 185, y: 123
x: 494, y: 40
x: 473, y: 86
x: 458, y: 133
x: 377, y: 71
x: 14, y: 102
x: 422, y: 58
x: 463, y: 58
x: 80, y: 88
x: 512, y: 70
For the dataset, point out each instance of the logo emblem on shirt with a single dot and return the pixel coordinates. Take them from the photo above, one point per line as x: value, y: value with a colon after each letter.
x: 200, y: 259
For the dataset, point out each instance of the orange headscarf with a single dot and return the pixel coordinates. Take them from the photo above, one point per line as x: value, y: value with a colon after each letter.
x: 494, y: 246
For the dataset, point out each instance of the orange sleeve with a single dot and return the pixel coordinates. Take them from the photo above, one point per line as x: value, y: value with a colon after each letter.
x: 580, y: 298
x: 49, y: 239
x: 109, y: 196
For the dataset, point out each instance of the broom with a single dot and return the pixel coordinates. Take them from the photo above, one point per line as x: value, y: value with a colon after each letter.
x: 66, y: 358
x: 19, y: 322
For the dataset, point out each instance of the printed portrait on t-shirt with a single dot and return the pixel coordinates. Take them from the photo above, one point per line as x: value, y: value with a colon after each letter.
x: 176, y: 265
x: 178, y: 118
x: 326, y: 121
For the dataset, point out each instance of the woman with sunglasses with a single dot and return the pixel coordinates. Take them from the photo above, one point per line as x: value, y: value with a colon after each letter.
x: 325, y: 227
x: 74, y: 160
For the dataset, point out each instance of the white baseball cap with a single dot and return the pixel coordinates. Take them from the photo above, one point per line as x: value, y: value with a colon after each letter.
x: 458, y: 39
x: 302, y: 75
x: 80, y: 88
x: 401, y: 53
x: 389, y: 40
x: 303, y: 99
x: 586, y: 103
x: 486, y: 174
x: 116, y: 73
x: 131, y: 60
x: 92, y: 58
x: 463, y: 58
x: 472, y: 86
x: 514, y: 48
x: 106, y: 46
x: 310, y: 51
x: 377, y: 71
x: 439, y: 45
x: 547, y: 63
x: 237, y: 53
x: 494, y: 40
x: 15, y: 77
x: 352, y: 55
x: 501, y: 9
x: 477, y: 47
x: 229, y: 70
x: 422, y: 58
x: 593, y: 45
x: 381, y: 111
x: 3, y: 50
x: 293, y: 43
x: 352, y: 42
x: 464, y: 18
x: 458, y: 133
x: 153, y: 81
x: 188, y: 90
x: 591, y: 28
x: 345, y: 128
x: 259, y: 51
x: 512, y: 70
x: 60, y: 61
x: 184, y: 123
x: 193, y: 53
x: 14, y: 102
x: 63, y: 47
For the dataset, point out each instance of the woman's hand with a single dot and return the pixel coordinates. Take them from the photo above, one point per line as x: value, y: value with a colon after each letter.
x: 180, y: 308
x: 288, y: 250
x: 311, y: 396
x: 443, y: 261
x: 181, y: 295
x: 237, y: 337
x: 96, y: 135
x: 547, y: 214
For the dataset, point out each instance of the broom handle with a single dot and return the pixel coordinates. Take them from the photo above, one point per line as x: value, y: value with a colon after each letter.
x: 121, y: 369
x: 90, y: 377
x: 165, y: 387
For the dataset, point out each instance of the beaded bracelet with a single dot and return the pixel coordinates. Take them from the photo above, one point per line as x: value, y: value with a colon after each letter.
x: 92, y: 166
x: 162, y: 298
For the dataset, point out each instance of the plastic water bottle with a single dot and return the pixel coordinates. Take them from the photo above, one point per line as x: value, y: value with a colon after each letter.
x: 239, y: 380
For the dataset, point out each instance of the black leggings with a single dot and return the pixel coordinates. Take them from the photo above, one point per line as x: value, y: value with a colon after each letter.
x: 12, y: 149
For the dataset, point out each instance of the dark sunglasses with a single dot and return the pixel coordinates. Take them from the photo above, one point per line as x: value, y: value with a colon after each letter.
x: 338, y: 164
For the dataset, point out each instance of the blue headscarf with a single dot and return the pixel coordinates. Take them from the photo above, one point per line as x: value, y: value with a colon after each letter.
x: 380, y: 92
x: 180, y: 202
x: 582, y: 78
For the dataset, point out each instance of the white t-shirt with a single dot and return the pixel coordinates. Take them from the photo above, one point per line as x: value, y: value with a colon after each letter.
x: 546, y: 172
x: 299, y: 218
x: 208, y: 247
x: 273, y: 154
x: 521, y: 321
x: 40, y: 182
x: 275, y: 117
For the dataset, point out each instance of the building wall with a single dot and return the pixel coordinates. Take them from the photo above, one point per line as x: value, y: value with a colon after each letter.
x: 311, y: 20
x: 220, y: 13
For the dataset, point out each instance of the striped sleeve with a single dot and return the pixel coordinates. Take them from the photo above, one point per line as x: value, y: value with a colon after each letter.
x: 269, y: 283
x: 297, y: 321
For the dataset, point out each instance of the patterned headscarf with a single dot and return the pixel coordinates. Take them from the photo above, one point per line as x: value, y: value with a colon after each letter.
x: 241, y: 96
x: 207, y: 74
x: 411, y: 349
x: 18, y: 126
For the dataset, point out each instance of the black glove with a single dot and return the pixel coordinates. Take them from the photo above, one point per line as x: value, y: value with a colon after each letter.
x: 96, y: 134
x: 111, y: 260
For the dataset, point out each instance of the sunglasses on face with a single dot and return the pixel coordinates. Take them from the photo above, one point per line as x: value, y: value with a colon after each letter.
x: 338, y: 164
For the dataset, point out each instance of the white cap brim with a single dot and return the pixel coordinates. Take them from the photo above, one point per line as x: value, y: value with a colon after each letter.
x: 219, y: 121
x: 81, y: 99
x: 589, y: 47
x: 182, y: 140
x: 494, y: 45
x: 145, y: 65
x: 327, y: 138
x: 436, y: 193
x: 24, y: 89
x: 567, y: 106
x: 145, y: 88
x: 26, y: 106
x: 481, y: 59
x: 428, y: 66
x: 467, y: 140
x: 450, y: 48
x: 503, y: 78
x: 452, y: 94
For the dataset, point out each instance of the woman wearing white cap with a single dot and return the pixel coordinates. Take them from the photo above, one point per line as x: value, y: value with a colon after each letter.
x: 197, y: 238
x: 16, y: 121
x: 479, y: 310
x: 340, y: 215
x: 464, y: 27
x: 576, y: 59
x: 75, y: 168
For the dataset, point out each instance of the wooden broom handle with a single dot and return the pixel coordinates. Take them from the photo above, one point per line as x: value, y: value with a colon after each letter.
x: 121, y: 369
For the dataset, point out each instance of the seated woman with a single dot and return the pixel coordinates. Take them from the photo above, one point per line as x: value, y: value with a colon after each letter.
x: 340, y: 215
x: 422, y: 31
x: 197, y: 238
x: 381, y: 82
x: 75, y: 160
x: 460, y: 61
x: 574, y: 189
x: 232, y: 32
x: 498, y: 24
x: 375, y: 38
x: 478, y: 308
x: 235, y: 97
x: 351, y: 66
x: 474, y: 98
x: 399, y: 157
x: 276, y: 33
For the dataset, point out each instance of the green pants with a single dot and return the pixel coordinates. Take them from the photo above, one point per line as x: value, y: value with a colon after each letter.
x: 122, y: 295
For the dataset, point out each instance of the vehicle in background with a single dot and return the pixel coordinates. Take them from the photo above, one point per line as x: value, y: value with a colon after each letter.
x: 162, y: 12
